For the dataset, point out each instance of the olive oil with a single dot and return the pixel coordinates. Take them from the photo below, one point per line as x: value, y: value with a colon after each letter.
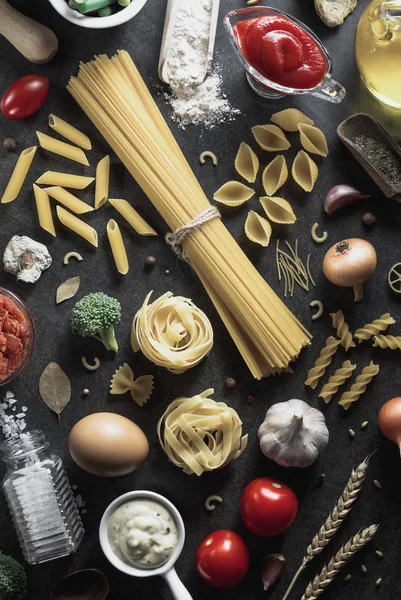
x: 378, y: 50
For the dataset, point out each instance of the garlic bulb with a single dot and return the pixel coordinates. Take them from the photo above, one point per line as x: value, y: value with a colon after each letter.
x: 293, y: 434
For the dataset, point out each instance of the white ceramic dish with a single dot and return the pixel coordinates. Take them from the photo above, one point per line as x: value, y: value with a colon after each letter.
x: 167, y: 571
x: 120, y: 17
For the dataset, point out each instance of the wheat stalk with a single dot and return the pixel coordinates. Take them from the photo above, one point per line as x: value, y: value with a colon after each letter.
x: 338, y: 561
x: 335, y: 518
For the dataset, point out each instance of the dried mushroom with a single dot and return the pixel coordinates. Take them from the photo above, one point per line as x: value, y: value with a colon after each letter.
x: 334, y: 12
x: 26, y: 259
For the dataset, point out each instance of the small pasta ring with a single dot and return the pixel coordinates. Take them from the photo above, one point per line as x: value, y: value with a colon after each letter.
x: 320, y: 309
x: 208, y: 154
x: 318, y: 238
x: 209, y: 502
x: 89, y: 367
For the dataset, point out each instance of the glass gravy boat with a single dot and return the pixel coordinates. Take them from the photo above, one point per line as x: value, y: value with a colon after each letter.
x: 328, y: 89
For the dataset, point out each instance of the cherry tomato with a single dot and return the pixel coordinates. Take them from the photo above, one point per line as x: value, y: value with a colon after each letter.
x: 222, y: 559
x: 268, y: 506
x: 25, y: 97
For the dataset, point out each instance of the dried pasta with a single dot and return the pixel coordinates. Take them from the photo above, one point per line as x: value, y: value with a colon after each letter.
x: 304, y: 171
x: 275, y: 175
x: 70, y: 201
x: 319, y: 239
x: 392, y: 342
x: 278, y: 210
x: 289, y: 119
x: 374, y: 328
x: 77, y: 226
x: 132, y: 217
x: 247, y: 163
x: 342, y: 329
x: 72, y: 254
x: 233, y: 193
x: 76, y: 182
x: 320, y: 309
x: 270, y: 138
x: 140, y: 388
x: 210, y: 501
x: 18, y: 175
x: 257, y: 229
x: 199, y: 434
x: 338, y: 379
x: 208, y: 154
x: 313, y: 139
x: 102, y: 181
x: 322, y: 362
x: 90, y: 367
x: 44, y: 211
x: 291, y: 269
x: 62, y: 149
x: 117, y: 247
x: 359, y: 387
x: 72, y: 134
x: 172, y: 332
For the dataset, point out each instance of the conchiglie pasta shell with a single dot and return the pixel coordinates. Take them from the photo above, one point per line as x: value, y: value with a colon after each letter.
x: 313, y: 139
x: 233, y: 193
x: 247, y: 163
x: 257, y: 229
x: 275, y: 175
x: 304, y: 171
x: 270, y: 137
x: 278, y: 210
x: 290, y: 118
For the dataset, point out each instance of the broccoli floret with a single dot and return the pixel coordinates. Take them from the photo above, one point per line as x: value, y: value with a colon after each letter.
x: 94, y: 316
x: 12, y: 579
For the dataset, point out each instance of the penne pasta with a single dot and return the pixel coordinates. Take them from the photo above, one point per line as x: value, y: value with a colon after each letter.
x: 69, y: 132
x: 102, y: 181
x: 62, y: 149
x: 19, y: 175
x: 117, y: 247
x: 76, y: 182
x: 73, y: 203
x: 77, y: 226
x: 132, y: 217
x: 44, y: 210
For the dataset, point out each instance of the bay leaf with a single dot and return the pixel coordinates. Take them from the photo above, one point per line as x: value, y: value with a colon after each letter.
x: 55, y: 388
x: 67, y: 289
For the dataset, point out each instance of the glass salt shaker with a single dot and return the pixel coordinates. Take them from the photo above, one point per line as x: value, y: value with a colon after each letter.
x: 40, y: 499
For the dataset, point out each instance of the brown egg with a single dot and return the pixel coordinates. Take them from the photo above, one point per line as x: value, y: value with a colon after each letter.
x: 108, y: 445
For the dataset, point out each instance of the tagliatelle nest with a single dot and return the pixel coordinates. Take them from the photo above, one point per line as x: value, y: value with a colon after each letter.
x: 123, y: 381
x: 199, y: 434
x: 172, y: 332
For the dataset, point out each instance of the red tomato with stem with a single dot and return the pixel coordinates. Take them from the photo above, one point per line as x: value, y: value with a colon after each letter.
x: 25, y: 97
x: 222, y: 559
x: 268, y: 506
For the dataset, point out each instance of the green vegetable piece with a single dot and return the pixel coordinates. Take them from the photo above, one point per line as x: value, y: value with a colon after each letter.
x: 73, y: 4
x: 95, y: 316
x: 94, y: 5
x: 105, y: 12
x: 124, y: 3
x: 12, y: 579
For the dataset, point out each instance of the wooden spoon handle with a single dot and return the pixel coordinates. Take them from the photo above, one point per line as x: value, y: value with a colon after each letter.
x: 34, y: 41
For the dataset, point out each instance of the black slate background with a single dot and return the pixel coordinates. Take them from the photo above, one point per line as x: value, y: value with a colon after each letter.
x: 55, y: 343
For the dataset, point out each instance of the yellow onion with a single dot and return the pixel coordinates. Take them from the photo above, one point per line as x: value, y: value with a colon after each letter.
x: 390, y: 420
x: 350, y: 263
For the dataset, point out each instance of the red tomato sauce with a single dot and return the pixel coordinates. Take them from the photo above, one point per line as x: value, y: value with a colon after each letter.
x: 282, y: 51
x: 14, y: 337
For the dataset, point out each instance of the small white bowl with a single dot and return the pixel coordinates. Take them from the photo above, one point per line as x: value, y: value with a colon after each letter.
x: 120, y: 17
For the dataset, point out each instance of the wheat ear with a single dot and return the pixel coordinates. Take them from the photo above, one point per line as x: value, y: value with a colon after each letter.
x: 335, y: 518
x: 338, y: 561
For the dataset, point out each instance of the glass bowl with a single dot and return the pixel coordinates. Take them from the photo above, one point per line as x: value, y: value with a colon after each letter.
x: 31, y: 337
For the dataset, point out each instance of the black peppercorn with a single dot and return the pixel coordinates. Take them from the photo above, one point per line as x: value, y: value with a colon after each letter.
x: 369, y: 219
x: 9, y: 144
x: 230, y: 383
x: 150, y: 262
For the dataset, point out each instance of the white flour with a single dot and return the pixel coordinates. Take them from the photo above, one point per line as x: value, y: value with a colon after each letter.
x: 186, y: 66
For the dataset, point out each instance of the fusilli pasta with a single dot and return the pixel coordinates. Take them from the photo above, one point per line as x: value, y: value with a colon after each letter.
x: 387, y: 341
x: 359, y: 387
x: 321, y: 363
x: 374, y: 328
x: 340, y: 376
x: 343, y: 331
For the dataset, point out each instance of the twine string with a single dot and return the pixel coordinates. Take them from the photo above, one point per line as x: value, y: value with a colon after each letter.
x: 176, y: 238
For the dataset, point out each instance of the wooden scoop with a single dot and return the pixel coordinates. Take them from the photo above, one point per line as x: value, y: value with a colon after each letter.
x: 34, y: 41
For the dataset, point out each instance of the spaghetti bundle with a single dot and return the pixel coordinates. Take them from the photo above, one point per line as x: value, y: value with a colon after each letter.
x: 116, y: 99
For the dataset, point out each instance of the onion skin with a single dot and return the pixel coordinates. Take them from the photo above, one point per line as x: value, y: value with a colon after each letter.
x: 350, y: 263
x: 342, y: 195
x: 390, y: 420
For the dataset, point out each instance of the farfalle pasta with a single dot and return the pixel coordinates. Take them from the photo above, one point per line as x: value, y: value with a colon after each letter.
x: 172, y: 332
x: 199, y: 434
x: 289, y: 119
x: 274, y: 175
x: 359, y: 387
x: 257, y: 229
x: 313, y: 139
x: 322, y: 362
x: 270, y: 137
x: 233, y: 193
x: 304, y: 171
x: 247, y: 163
x: 123, y: 381
x: 278, y: 210
x: 338, y: 379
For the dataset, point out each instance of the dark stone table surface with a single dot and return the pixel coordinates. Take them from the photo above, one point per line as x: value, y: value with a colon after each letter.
x: 141, y: 37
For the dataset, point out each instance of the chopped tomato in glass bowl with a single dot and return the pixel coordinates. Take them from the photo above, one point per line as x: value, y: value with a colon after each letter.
x: 17, y: 335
